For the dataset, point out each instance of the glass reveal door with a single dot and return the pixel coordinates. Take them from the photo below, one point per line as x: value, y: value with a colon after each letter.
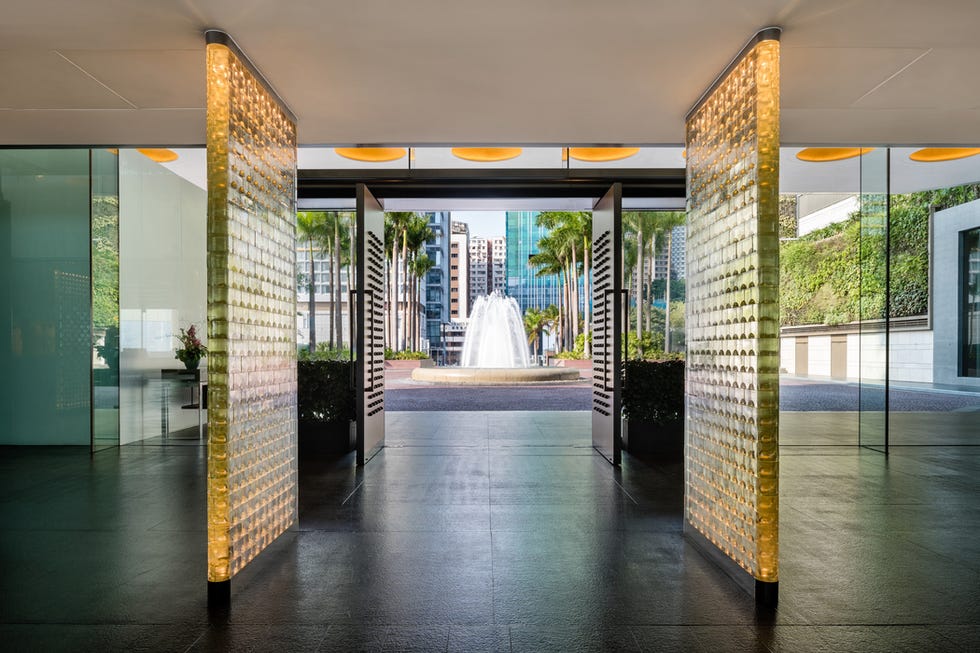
x: 368, y: 344
x: 607, y: 324
x: 874, y: 301
x: 105, y: 298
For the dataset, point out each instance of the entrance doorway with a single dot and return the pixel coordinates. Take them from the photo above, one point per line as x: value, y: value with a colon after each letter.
x: 599, y: 192
x: 603, y: 297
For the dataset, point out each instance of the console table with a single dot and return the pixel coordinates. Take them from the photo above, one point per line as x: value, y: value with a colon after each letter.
x: 198, y: 396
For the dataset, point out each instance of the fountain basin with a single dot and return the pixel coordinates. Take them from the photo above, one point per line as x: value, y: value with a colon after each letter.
x: 494, y: 375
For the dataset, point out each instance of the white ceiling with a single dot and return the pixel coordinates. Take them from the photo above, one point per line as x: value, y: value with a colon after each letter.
x: 488, y: 72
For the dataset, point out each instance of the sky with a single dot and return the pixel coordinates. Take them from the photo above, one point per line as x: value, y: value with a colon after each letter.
x: 488, y: 224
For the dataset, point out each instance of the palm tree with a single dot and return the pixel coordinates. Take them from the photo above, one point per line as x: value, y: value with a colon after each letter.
x: 533, y: 326
x: 570, y: 234
x: 420, y: 267
x: 311, y: 228
x: 342, y: 256
x: 398, y: 221
x: 549, y: 262
x: 548, y: 322
x: 645, y: 233
x: 639, y: 226
x: 417, y: 233
x: 538, y: 324
x: 670, y: 220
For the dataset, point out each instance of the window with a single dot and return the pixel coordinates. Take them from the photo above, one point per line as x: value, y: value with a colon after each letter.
x: 970, y: 303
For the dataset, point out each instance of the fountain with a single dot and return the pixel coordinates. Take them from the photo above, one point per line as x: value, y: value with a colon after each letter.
x: 495, y: 334
x: 494, y: 350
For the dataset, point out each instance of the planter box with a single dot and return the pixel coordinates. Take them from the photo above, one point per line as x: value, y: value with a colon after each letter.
x: 663, y: 441
x: 653, y: 401
x: 578, y: 363
x: 408, y: 365
x: 320, y: 439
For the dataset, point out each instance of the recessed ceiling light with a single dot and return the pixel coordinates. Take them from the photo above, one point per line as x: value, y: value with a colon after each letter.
x: 602, y: 153
x: 159, y: 155
x: 371, y: 154
x: 486, y: 154
x: 933, y: 154
x: 824, y: 154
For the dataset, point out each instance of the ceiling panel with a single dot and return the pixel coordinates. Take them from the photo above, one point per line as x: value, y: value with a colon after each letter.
x: 880, y: 126
x: 44, y: 80
x: 149, y: 78
x: 822, y: 78
x: 508, y: 71
x: 941, y: 79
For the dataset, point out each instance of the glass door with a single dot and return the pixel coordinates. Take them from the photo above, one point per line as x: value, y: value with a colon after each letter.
x: 105, y: 298
x: 874, y: 301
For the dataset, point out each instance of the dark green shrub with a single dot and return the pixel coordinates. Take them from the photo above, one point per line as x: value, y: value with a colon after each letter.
x: 653, y: 391
x: 324, y: 352
x: 392, y: 355
x: 324, y: 392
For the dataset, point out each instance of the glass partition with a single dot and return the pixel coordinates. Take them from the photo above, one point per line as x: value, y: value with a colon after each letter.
x: 105, y: 299
x: 163, y: 288
x: 873, y: 291
x: 45, y: 297
x: 970, y: 315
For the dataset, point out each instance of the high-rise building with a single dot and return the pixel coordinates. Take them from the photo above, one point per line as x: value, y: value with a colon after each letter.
x: 523, y: 282
x: 488, y: 266
x: 678, y: 250
x: 459, y: 257
x: 437, y: 293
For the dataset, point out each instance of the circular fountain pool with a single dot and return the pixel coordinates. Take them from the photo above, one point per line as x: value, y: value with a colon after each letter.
x: 495, y: 350
x: 494, y: 375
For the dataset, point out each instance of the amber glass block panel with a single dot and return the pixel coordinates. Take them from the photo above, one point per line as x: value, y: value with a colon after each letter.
x: 732, y: 455
x: 251, y: 315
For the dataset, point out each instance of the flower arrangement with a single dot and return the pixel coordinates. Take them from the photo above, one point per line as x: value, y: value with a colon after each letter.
x: 193, y: 350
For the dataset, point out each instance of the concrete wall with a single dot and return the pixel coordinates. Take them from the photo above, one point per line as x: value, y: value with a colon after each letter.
x: 787, y: 354
x: 911, y: 356
x: 947, y: 286
x: 818, y: 360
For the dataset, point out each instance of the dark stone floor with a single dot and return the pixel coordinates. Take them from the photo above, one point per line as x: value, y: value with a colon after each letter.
x: 483, y: 532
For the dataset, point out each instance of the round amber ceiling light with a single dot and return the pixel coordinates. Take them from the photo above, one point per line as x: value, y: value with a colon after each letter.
x: 486, y: 154
x: 824, y: 154
x: 933, y: 154
x: 159, y: 155
x: 602, y: 153
x: 371, y: 154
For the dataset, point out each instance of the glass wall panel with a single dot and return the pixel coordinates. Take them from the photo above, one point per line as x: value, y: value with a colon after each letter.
x: 163, y: 288
x: 105, y: 299
x: 873, y: 301
x: 45, y: 297
x: 970, y: 313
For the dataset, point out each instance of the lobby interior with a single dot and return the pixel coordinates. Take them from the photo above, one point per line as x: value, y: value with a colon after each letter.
x: 500, y: 531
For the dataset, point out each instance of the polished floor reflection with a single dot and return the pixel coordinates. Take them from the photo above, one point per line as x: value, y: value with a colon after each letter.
x: 498, y: 531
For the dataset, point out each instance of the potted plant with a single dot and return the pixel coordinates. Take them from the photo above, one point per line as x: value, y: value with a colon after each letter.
x: 325, y: 406
x: 192, y: 350
x: 653, y: 407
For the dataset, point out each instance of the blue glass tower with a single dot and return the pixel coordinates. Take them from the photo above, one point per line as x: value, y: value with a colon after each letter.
x: 523, y: 284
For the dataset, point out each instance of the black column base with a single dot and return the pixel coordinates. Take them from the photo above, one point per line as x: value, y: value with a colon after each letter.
x: 766, y: 594
x: 219, y: 596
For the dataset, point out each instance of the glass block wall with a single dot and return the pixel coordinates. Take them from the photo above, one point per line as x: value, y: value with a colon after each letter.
x: 731, y: 460
x: 251, y: 314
